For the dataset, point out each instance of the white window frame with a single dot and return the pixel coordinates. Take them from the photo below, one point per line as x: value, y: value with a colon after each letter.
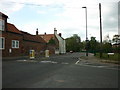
x: 2, y: 25
x: 15, y: 46
x: 3, y: 43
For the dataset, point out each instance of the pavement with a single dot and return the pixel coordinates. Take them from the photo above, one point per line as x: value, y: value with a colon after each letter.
x: 91, y: 60
x: 14, y: 58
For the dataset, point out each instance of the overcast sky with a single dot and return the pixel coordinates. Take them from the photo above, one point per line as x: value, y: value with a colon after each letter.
x: 67, y: 16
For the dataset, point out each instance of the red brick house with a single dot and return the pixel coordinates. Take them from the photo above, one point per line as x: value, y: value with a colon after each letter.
x: 10, y: 38
x: 3, y: 27
x: 14, y: 43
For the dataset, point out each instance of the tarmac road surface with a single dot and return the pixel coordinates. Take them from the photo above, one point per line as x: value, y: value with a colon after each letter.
x: 62, y: 71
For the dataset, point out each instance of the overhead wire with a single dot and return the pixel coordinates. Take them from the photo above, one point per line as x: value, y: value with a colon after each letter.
x: 48, y: 6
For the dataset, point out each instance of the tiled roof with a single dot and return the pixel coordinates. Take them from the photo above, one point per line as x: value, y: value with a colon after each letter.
x: 26, y: 35
x: 40, y: 39
x: 33, y: 38
x: 12, y: 28
x: 47, y: 37
x: 3, y: 14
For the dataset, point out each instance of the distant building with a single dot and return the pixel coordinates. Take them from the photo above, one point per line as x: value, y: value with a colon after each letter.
x: 59, y: 47
x: 62, y: 43
x: 51, y: 46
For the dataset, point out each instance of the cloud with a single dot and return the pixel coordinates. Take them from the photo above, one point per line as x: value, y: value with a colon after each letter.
x: 119, y: 18
x: 41, y: 12
x: 110, y: 18
x: 71, y: 17
x: 9, y: 6
x: 30, y: 27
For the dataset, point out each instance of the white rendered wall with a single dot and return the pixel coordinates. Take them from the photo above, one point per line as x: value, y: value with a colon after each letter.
x: 62, y: 46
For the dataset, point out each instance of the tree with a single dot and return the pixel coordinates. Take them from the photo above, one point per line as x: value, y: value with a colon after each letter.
x: 107, y: 47
x: 116, y: 43
x: 73, y: 43
x: 52, y: 41
x: 107, y: 39
x: 83, y: 45
x: 93, y: 45
x: 116, y: 39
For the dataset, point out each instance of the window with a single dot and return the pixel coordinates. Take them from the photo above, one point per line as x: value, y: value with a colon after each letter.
x: 2, y: 25
x: 15, y: 44
x: 2, y: 42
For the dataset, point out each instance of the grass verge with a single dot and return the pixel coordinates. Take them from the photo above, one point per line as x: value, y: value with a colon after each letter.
x: 109, y: 59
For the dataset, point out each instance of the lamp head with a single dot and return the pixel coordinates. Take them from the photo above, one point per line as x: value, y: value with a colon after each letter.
x: 84, y: 7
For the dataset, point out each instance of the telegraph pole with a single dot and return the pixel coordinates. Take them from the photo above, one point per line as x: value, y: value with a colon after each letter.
x: 100, y: 30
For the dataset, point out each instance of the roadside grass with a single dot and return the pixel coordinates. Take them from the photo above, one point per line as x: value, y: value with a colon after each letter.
x: 109, y: 59
x: 84, y: 57
x: 115, y: 57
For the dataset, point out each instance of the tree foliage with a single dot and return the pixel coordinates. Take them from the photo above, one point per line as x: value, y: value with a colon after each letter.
x: 116, y: 39
x: 73, y: 43
x: 107, y: 47
x: 116, y: 43
x: 93, y: 45
x: 52, y: 41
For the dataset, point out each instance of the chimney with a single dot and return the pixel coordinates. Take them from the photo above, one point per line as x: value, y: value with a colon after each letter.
x: 37, y: 31
x: 45, y: 33
x: 60, y: 34
x: 55, y: 31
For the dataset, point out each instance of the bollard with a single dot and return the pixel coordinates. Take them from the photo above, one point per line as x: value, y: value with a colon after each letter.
x: 46, y: 53
x: 32, y: 54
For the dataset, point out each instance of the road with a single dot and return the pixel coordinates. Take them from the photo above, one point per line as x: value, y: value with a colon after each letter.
x: 58, y: 72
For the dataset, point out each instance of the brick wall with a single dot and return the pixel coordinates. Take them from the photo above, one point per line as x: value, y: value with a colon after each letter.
x: 38, y: 47
x: 8, y: 44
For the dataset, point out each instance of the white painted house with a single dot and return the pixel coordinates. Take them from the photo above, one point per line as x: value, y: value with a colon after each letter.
x: 62, y: 43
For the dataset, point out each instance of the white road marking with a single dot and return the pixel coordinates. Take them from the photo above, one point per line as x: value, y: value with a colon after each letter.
x: 64, y: 63
x: 45, y: 61
x: 21, y: 60
x: 54, y: 62
x: 49, y: 62
x: 26, y: 60
x: 77, y: 62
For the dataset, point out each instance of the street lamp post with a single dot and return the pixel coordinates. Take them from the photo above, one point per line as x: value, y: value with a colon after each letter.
x: 86, y: 32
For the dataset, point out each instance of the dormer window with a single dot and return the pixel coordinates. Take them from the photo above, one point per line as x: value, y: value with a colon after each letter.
x: 2, y: 25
